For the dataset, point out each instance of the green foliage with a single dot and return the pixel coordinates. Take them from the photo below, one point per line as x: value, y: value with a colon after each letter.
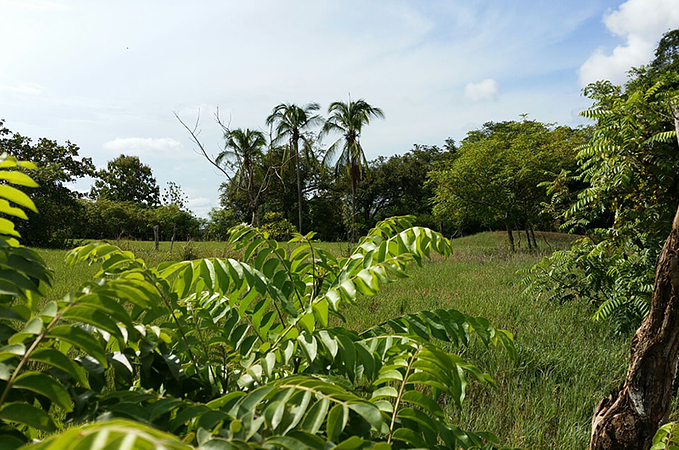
x: 665, y: 438
x: 277, y: 227
x: 396, y: 185
x: 630, y: 169
x: 108, y: 219
x: 494, y: 179
x: 175, y: 223
x: 226, y: 353
x: 127, y: 179
x: 220, y: 221
x: 58, y: 165
x: 617, y: 281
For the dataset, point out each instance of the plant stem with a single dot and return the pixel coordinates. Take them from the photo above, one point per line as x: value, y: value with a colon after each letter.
x: 400, y: 393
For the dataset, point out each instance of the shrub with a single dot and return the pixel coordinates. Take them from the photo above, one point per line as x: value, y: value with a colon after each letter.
x: 277, y: 227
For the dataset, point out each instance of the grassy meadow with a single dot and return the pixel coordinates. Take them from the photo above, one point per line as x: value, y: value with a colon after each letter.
x: 565, y: 364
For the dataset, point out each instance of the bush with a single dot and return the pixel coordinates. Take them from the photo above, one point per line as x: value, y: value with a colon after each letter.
x: 219, y: 223
x: 109, y: 219
x: 277, y: 227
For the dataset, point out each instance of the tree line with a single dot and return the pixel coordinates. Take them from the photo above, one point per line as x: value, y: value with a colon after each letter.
x: 287, y: 180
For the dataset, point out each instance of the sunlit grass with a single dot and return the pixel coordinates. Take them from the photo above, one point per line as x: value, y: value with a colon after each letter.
x: 566, y: 364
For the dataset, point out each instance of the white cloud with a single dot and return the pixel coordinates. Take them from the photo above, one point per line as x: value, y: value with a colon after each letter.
x: 200, y: 206
x: 160, y: 147
x: 641, y: 23
x: 412, y: 59
x: 487, y: 89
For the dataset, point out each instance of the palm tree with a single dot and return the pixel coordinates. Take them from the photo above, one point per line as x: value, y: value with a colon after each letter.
x: 348, y: 120
x: 289, y: 122
x: 244, y: 150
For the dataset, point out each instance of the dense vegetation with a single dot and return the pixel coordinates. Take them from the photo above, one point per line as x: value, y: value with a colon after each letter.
x: 260, y: 344
x: 629, y: 173
x: 240, y: 353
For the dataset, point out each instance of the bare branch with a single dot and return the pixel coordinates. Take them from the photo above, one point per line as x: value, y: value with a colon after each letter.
x: 194, y: 132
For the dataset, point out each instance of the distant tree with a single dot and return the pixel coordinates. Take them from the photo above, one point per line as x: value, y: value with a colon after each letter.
x: 495, y: 178
x: 126, y: 179
x: 396, y: 186
x: 348, y: 120
x: 173, y: 215
x: 56, y: 203
x: 290, y: 121
x: 244, y: 152
x: 110, y: 219
x: 175, y: 223
x: 220, y: 220
x: 174, y: 195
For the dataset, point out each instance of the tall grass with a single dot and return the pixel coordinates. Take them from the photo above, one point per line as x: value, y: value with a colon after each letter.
x: 565, y: 365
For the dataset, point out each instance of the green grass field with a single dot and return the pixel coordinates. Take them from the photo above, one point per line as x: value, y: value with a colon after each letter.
x: 566, y: 363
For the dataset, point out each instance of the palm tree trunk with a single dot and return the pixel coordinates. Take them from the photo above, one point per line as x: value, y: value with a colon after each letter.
x: 629, y: 418
x: 299, y: 187
x: 353, y: 209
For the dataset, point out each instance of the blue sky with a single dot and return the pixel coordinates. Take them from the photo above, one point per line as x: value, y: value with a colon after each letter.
x: 109, y: 75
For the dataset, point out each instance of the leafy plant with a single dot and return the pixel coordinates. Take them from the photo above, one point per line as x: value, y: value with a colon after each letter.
x: 665, y: 437
x: 277, y: 227
x: 629, y: 170
x: 230, y: 354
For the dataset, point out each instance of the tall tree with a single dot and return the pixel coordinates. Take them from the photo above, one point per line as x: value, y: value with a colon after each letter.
x: 56, y: 203
x: 290, y: 121
x: 348, y: 120
x: 244, y: 150
x: 494, y: 179
x: 127, y: 179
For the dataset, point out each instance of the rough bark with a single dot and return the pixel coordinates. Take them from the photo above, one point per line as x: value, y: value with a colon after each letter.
x: 629, y: 418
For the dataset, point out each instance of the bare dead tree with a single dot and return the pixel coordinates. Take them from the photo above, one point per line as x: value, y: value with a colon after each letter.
x: 629, y: 418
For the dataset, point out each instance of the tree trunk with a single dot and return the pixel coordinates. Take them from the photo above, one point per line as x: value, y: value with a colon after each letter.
x: 510, y: 235
x: 532, y: 233
x: 174, y: 231
x: 255, y: 216
x: 528, y: 238
x: 629, y: 418
x: 155, y: 236
x: 353, y: 209
x: 299, y: 188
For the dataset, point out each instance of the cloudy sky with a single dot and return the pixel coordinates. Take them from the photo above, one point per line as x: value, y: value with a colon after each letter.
x: 109, y: 75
